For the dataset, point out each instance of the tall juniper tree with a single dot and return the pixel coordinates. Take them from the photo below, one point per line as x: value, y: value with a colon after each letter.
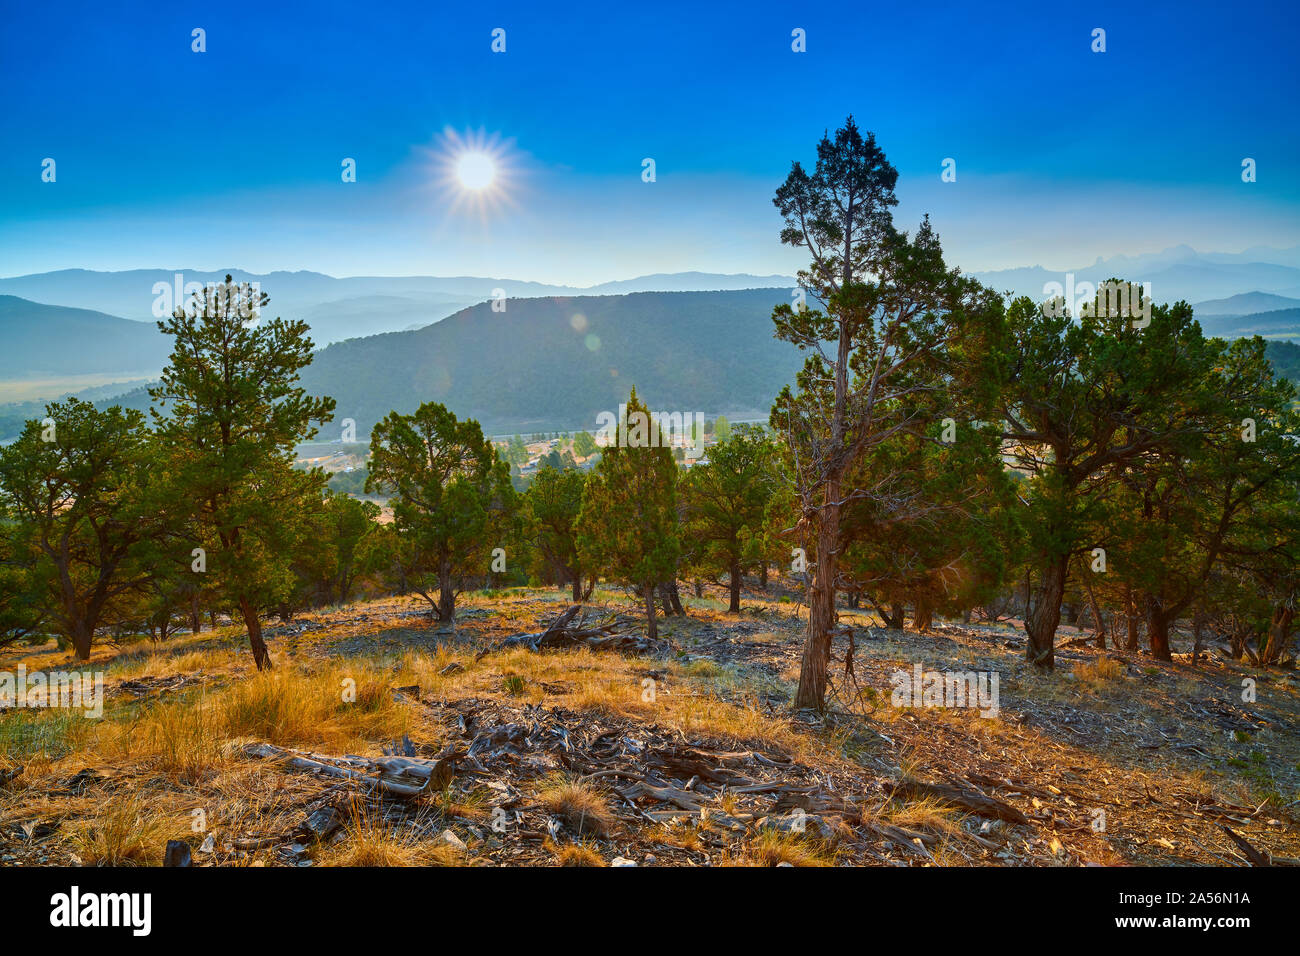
x: 885, y: 350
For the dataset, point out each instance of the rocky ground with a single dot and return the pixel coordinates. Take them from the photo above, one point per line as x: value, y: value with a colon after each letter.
x: 685, y: 752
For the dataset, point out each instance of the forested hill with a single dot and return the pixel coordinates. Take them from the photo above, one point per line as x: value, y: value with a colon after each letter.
x: 552, y: 363
x: 556, y: 362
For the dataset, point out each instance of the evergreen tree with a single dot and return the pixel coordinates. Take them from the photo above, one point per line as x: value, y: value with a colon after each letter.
x: 1082, y: 399
x: 724, y: 505
x: 452, y: 499
x: 83, y: 489
x: 627, y: 527
x: 895, y: 339
x: 234, y: 413
x: 554, y: 501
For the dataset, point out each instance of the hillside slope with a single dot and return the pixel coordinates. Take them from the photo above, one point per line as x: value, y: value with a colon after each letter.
x: 555, y: 363
x: 47, y: 340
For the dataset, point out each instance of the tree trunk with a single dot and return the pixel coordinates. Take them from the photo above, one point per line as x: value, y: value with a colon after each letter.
x: 82, y: 637
x: 1198, y: 635
x: 577, y: 587
x: 1045, y: 614
x: 1098, y: 627
x: 676, y: 598
x: 1279, y: 634
x: 446, y: 593
x: 1131, y: 621
x: 652, y: 627
x: 821, y: 606
x: 924, y: 617
x: 734, y: 606
x: 894, y: 617
x: 196, y: 617
x: 260, y: 655
x: 1158, y: 630
x: 762, y: 574
x: 665, y: 603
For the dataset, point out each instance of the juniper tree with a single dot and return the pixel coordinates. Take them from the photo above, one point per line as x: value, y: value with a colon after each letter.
x: 452, y: 499
x: 1082, y: 398
x: 627, y: 527
x: 885, y: 349
x: 724, y: 505
x: 83, y: 491
x: 554, y: 501
x: 952, y: 544
x: 230, y: 411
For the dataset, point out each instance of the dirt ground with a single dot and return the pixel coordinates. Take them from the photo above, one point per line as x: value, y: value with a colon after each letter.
x: 687, y: 755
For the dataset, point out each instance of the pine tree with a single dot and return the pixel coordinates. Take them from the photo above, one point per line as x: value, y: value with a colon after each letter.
x: 83, y: 488
x: 554, y: 501
x: 230, y: 412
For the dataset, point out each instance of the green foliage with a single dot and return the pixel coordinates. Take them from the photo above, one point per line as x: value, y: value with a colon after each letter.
x: 627, y: 527
x: 724, y: 503
x: 553, y: 503
x: 349, y: 482
x: 451, y: 497
x: 235, y: 412
x: 85, y: 495
x: 584, y: 444
x: 1285, y: 359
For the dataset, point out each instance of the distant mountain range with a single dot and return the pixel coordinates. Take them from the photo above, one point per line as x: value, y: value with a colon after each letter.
x: 1278, y: 324
x: 336, y: 309
x: 1177, y: 273
x: 553, y: 363
x: 1247, y: 303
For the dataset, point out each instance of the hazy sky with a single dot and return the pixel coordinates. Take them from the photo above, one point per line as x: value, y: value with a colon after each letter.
x: 232, y: 157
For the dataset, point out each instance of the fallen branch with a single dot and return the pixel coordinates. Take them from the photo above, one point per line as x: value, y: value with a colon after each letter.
x: 1256, y: 857
x: 406, y: 777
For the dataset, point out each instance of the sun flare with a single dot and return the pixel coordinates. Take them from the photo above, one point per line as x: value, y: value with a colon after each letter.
x: 473, y: 172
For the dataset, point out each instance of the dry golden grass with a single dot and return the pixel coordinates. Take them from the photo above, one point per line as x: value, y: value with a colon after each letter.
x: 1099, y: 674
x: 575, y: 854
x: 925, y: 814
x: 371, y: 841
x: 772, y: 848
x: 124, y: 831
x: 179, y: 738
x: 581, y: 806
x: 173, y: 658
x: 337, y: 707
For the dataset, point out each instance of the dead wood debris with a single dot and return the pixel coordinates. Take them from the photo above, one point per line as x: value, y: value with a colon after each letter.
x: 406, y: 777
x: 570, y: 629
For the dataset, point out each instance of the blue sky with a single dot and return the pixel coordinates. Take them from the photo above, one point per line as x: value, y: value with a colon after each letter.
x: 231, y: 158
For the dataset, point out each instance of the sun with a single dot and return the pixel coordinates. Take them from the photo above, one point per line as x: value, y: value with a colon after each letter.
x: 476, y: 170
x: 473, y: 172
